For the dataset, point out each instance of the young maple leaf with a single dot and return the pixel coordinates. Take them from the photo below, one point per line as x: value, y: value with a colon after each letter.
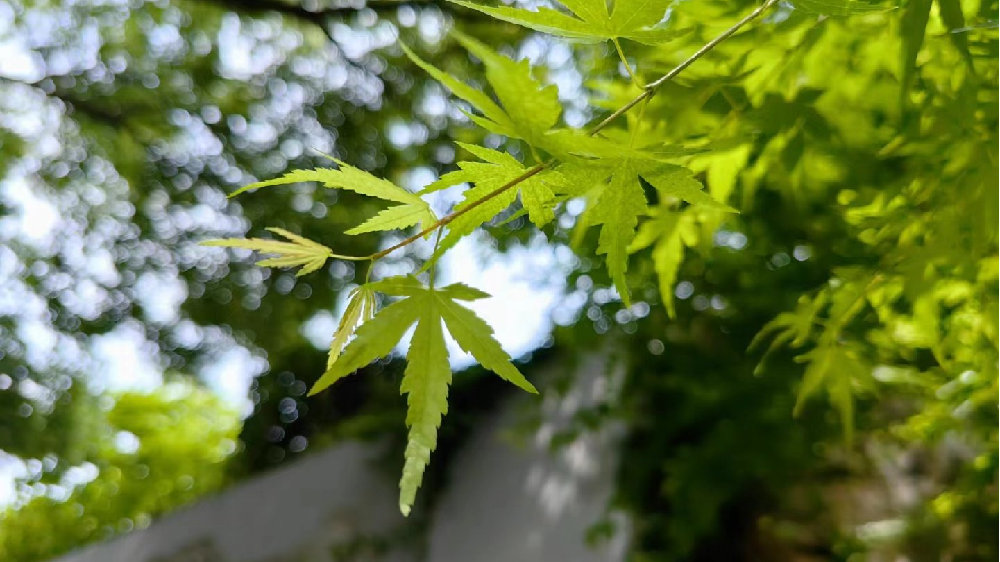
x: 411, y: 210
x: 527, y: 110
x: 669, y: 232
x: 616, y: 201
x: 360, y: 308
x: 495, y: 171
x: 590, y: 21
x: 300, y: 251
x: 428, y: 374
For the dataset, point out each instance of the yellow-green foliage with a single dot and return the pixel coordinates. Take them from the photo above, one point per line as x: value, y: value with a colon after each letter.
x: 187, y: 434
x: 830, y: 100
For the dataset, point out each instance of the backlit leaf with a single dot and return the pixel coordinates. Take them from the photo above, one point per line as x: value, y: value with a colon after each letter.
x: 617, y: 210
x: 630, y: 19
x: 841, y: 7
x: 428, y: 373
x: 360, y: 307
x: 299, y: 252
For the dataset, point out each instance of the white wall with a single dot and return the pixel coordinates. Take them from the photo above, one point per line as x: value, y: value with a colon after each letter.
x: 505, y: 502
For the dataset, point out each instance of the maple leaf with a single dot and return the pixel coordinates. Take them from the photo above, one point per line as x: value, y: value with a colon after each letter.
x: 616, y: 201
x: 299, y: 252
x: 617, y: 209
x: 529, y: 108
x: 833, y: 365
x: 669, y: 232
x: 360, y: 307
x: 837, y: 368
x: 412, y: 209
x: 590, y: 21
x: 428, y: 374
x: 843, y: 7
x: 497, y: 169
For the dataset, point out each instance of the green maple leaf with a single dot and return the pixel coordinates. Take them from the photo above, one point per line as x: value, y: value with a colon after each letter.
x: 616, y: 201
x: 842, y: 7
x: 589, y: 20
x: 792, y: 328
x: 669, y: 232
x: 497, y: 169
x: 617, y: 210
x: 570, y: 144
x: 412, y: 209
x: 833, y: 365
x: 360, y: 307
x: 529, y: 108
x: 428, y: 374
x: 836, y: 368
x: 299, y: 252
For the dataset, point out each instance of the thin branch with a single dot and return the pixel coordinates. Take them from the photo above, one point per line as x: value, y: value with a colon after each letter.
x: 628, y: 68
x: 349, y: 258
x: 646, y: 94
x: 652, y: 87
x: 450, y: 217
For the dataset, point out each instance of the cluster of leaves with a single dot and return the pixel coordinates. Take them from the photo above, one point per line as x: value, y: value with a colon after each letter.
x: 608, y: 176
x: 878, y: 207
x: 644, y: 194
x: 187, y: 435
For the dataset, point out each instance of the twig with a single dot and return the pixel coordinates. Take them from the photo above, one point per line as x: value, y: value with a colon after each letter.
x: 652, y: 87
x: 450, y: 217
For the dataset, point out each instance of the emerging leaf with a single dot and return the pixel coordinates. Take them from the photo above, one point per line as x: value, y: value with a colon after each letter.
x: 360, y: 307
x: 299, y: 252
x: 413, y: 209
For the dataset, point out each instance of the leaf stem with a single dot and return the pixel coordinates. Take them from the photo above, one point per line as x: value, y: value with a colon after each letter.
x: 647, y: 93
x: 349, y: 258
x: 437, y: 242
x: 628, y: 68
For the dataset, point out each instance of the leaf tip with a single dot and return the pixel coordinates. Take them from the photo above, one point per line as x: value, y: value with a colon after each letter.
x: 243, y: 189
x: 316, y: 388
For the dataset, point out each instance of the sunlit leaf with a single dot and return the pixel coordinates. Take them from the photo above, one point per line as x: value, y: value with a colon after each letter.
x: 428, y: 374
x: 299, y: 252
x: 630, y: 19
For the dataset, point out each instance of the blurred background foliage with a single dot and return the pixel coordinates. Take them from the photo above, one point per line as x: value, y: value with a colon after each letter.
x: 861, y: 151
